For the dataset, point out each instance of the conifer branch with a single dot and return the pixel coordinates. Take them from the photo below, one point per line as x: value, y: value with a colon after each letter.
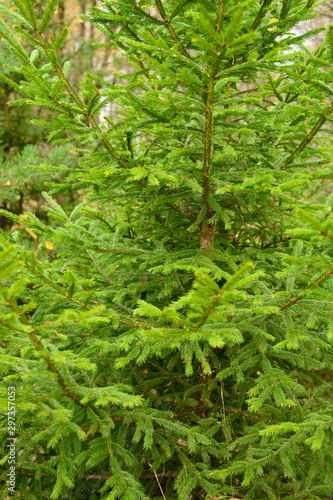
x: 61, y: 381
x: 100, y: 476
x: 324, y: 233
x: 210, y: 308
x: 220, y: 16
x: 72, y: 299
x: 146, y: 14
x: 48, y: 14
x: 99, y: 267
x: 178, y: 9
x: 161, y: 10
x: 234, y: 26
x: 31, y: 13
x: 181, y: 212
x: 49, y: 363
x: 261, y: 13
x: 221, y: 292
x: 134, y: 35
x: 309, y: 288
x: 50, y: 96
x: 78, y: 101
x: 307, y: 140
x: 15, y: 308
x: 127, y: 26
x: 284, y: 9
x: 94, y: 124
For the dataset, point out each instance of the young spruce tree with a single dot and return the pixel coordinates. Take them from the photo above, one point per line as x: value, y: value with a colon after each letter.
x: 177, y: 344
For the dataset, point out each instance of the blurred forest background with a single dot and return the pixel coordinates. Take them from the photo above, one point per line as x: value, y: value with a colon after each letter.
x: 29, y: 164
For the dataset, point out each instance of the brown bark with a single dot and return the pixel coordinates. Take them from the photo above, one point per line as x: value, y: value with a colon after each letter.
x: 207, y: 236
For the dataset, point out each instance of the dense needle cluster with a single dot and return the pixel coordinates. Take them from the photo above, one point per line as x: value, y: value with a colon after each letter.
x: 177, y: 343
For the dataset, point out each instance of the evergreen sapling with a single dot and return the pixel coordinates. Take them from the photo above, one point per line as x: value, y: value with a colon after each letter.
x: 179, y: 343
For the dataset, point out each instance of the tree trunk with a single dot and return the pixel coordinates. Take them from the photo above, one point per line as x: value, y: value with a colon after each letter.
x: 207, y: 236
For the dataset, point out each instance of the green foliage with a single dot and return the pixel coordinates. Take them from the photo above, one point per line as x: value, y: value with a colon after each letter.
x: 14, y: 133
x: 177, y: 340
x: 25, y: 175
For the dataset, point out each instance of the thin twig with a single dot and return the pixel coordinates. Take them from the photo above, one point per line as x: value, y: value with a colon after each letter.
x: 99, y: 268
x: 223, y: 408
x: 158, y: 482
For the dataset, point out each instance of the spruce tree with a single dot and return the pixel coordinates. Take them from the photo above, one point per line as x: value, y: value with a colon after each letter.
x: 177, y: 344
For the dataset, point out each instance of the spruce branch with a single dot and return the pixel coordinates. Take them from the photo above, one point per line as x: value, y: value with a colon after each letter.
x: 313, y: 285
x: 223, y: 290
x: 220, y: 17
x: 146, y: 14
x: 47, y: 359
x: 307, y: 140
x: 285, y: 8
x: 179, y: 8
x: 81, y: 105
x: 62, y: 291
x: 261, y: 13
x: 167, y: 23
x: 61, y: 381
x: 99, y: 267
